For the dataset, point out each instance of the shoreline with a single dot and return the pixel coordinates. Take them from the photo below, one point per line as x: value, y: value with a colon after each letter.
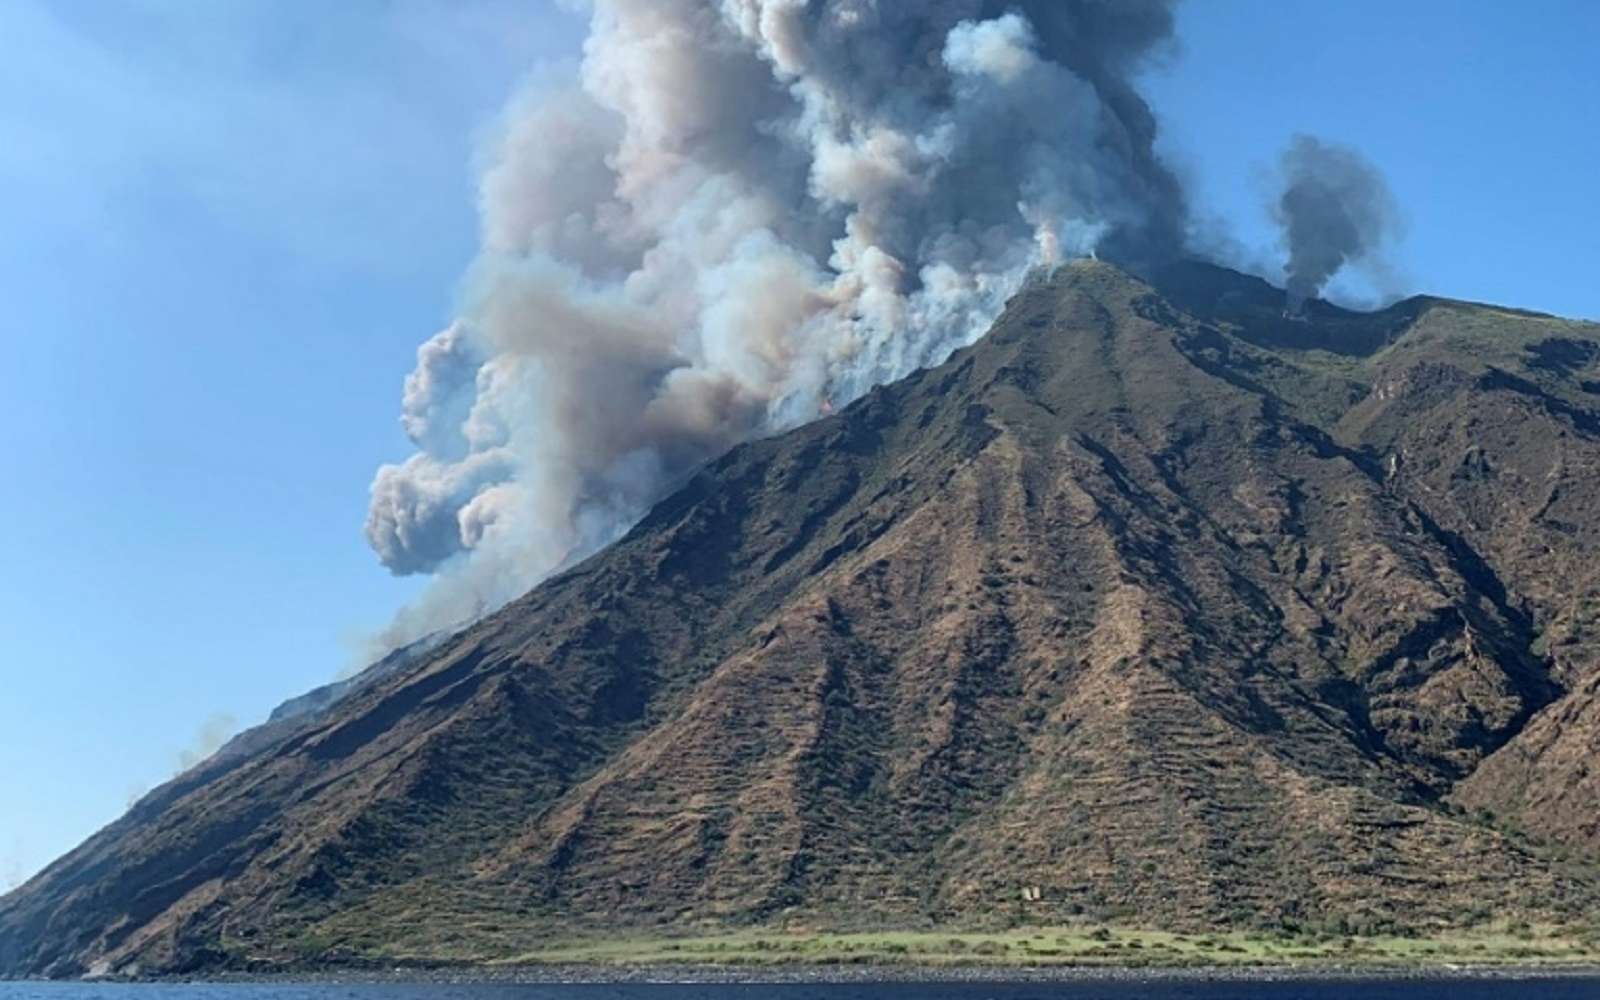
x: 888, y: 974
x: 1018, y: 955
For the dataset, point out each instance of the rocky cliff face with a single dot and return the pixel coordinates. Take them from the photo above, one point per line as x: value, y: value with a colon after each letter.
x: 1184, y: 612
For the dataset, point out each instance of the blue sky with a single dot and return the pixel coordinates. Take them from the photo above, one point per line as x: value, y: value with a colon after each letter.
x: 227, y: 226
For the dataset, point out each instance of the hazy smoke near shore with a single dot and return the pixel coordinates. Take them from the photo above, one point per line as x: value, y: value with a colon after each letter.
x: 1335, y: 209
x: 12, y: 871
x: 743, y: 212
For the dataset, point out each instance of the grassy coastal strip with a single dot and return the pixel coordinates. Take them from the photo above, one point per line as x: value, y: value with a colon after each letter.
x: 1079, y: 947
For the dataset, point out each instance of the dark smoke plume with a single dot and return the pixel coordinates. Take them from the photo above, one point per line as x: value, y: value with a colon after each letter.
x: 1335, y: 209
x: 744, y: 213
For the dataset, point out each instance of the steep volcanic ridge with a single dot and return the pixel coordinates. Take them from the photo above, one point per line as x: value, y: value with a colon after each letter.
x: 1187, y: 613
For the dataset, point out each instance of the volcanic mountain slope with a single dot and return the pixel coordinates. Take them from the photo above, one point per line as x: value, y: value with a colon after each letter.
x: 1184, y: 612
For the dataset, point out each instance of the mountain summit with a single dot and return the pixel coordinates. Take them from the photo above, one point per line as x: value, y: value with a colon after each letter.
x: 1156, y: 602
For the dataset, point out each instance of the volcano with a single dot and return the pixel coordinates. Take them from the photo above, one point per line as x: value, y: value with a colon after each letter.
x: 1152, y: 606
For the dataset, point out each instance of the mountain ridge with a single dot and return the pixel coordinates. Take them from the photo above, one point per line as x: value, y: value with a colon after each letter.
x: 1185, y: 611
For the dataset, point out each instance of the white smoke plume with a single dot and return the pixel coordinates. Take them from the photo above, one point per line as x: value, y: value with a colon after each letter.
x: 208, y: 739
x: 743, y: 213
x: 1335, y: 209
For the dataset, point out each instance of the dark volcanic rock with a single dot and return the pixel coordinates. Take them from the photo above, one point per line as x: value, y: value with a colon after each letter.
x: 1177, y: 609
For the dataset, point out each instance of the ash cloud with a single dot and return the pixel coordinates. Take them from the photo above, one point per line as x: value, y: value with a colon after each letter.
x: 1335, y: 209
x: 744, y: 213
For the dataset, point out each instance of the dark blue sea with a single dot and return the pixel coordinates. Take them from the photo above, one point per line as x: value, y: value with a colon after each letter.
x: 1544, y: 989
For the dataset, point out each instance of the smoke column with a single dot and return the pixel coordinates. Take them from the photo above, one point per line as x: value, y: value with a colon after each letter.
x: 741, y: 214
x: 1335, y: 209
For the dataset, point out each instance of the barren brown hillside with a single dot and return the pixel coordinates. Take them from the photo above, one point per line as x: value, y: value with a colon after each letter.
x: 1184, y: 612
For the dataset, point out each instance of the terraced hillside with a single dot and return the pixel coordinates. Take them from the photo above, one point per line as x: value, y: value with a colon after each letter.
x: 1156, y: 603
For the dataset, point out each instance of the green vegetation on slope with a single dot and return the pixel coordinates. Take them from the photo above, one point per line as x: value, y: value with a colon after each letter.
x: 1083, y: 946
